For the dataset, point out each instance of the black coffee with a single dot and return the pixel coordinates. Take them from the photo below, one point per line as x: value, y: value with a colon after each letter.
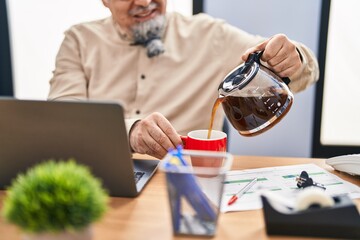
x: 213, y: 112
x: 254, y: 115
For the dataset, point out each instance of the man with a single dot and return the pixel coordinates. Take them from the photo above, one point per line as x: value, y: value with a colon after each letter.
x: 165, y: 68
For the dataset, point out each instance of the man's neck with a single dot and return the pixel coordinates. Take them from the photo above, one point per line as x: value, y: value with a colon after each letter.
x: 125, y: 35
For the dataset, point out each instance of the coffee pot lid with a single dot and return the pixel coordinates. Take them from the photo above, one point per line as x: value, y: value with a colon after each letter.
x: 241, y: 75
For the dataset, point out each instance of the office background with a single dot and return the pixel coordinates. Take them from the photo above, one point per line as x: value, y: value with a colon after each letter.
x: 6, y: 88
x: 36, y: 32
x: 336, y: 130
x: 300, y: 21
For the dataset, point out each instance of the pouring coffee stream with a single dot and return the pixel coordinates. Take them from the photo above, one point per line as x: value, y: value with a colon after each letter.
x: 253, y: 97
x: 213, y: 113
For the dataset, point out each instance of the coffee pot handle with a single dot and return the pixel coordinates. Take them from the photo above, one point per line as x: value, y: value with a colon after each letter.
x: 255, y: 56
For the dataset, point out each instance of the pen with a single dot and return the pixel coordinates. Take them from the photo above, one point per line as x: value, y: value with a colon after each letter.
x: 242, y: 191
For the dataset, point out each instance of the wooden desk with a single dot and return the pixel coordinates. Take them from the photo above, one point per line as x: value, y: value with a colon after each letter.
x: 148, y: 216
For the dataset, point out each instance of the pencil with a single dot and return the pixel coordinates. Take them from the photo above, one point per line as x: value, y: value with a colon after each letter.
x: 242, y: 191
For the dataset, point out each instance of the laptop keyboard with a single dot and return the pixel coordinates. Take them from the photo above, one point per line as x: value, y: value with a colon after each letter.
x: 138, y: 176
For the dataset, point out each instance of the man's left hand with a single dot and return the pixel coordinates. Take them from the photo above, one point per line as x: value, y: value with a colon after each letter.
x: 280, y: 55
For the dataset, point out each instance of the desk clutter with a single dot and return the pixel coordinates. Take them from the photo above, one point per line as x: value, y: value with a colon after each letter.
x: 125, y: 219
x: 316, y: 215
x: 297, y: 200
x: 313, y: 203
x: 284, y: 181
x: 195, y: 190
x: 313, y: 214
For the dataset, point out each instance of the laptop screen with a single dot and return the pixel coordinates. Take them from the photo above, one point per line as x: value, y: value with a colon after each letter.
x: 92, y: 133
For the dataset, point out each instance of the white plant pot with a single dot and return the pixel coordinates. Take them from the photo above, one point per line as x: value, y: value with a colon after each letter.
x: 83, y: 235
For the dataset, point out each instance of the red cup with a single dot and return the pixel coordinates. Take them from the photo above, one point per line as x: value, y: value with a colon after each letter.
x: 197, y: 140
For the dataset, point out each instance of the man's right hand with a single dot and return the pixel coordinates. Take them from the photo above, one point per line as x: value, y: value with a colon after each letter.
x: 153, y: 135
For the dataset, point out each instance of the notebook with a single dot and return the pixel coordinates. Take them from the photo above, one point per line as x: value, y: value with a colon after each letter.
x: 93, y: 133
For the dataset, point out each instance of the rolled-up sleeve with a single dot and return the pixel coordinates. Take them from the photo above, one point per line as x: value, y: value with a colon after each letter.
x: 309, y: 71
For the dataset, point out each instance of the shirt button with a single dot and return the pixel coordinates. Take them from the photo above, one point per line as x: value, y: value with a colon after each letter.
x: 143, y: 76
x: 137, y: 112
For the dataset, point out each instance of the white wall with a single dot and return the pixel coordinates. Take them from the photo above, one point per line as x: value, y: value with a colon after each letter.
x: 36, y: 32
x: 300, y: 20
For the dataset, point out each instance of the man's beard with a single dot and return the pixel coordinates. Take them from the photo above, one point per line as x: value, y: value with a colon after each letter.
x: 148, y: 34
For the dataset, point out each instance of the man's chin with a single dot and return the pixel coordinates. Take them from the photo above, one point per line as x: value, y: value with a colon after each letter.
x: 149, y: 34
x: 149, y: 23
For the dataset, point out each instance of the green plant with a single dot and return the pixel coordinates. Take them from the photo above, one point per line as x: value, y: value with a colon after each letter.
x: 54, y: 197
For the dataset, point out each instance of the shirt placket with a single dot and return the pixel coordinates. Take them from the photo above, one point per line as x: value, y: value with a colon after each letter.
x: 142, y: 76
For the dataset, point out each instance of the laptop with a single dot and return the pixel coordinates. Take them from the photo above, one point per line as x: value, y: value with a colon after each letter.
x: 93, y: 133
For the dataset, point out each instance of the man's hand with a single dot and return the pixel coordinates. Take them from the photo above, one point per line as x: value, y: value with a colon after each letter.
x: 280, y: 54
x: 153, y: 135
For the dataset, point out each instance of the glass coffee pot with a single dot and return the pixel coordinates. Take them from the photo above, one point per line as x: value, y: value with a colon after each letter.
x: 254, y: 98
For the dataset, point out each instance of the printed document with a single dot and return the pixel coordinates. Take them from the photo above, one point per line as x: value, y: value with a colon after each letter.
x: 280, y: 180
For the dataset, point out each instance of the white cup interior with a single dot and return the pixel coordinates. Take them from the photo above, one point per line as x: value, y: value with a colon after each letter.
x: 202, y: 134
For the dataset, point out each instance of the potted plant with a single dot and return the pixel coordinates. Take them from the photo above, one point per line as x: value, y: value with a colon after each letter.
x: 55, y: 200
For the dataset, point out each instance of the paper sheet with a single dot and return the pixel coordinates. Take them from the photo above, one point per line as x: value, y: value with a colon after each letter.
x: 282, y: 181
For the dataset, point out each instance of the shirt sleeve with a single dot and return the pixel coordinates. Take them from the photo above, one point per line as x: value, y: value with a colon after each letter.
x: 309, y: 71
x: 69, y: 81
x: 129, y: 123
